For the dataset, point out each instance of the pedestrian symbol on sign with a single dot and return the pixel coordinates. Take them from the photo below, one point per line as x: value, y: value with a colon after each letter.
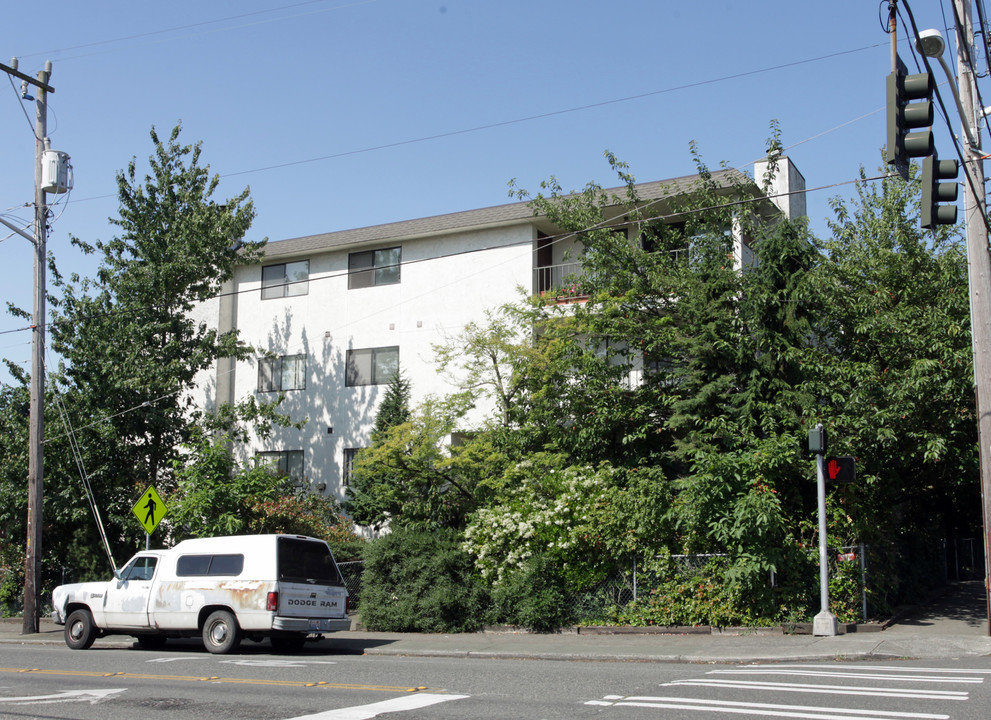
x: 150, y: 509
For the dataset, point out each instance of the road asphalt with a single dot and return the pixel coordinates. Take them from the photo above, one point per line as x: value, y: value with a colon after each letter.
x: 954, y: 625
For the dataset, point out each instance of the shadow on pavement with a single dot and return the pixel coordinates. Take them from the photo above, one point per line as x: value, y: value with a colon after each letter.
x: 963, y: 605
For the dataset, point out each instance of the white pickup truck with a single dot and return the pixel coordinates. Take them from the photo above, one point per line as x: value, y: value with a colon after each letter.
x: 283, y: 587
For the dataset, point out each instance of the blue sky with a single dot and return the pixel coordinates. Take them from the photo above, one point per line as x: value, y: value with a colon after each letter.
x: 346, y: 113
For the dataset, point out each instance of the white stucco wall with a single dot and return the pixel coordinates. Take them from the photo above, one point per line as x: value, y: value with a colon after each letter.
x: 446, y: 282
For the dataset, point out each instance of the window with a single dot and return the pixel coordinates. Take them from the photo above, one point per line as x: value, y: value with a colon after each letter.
x: 306, y: 561
x: 191, y: 565
x: 372, y: 366
x: 143, y: 568
x: 374, y: 267
x: 286, y: 279
x: 287, y: 372
x: 348, y: 470
x: 288, y: 463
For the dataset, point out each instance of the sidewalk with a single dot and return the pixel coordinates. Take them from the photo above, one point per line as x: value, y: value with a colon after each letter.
x: 953, y: 626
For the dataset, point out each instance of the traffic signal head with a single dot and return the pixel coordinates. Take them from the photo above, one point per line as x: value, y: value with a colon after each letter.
x: 935, y: 192
x: 905, y: 115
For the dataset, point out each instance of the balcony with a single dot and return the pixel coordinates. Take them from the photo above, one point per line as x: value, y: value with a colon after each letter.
x: 559, y: 282
x: 563, y: 282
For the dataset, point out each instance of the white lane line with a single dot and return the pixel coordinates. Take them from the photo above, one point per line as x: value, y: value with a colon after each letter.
x: 826, y: 689
x: 366, y: 712
x: 743, y: 708
x: 861, y: 676
x: 889, y: 668
x: 90, y: 696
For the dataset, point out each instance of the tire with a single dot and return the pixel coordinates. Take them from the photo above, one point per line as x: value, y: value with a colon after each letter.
x: 80, y: 632
x: 150, y: 642
x: 221, y: 633
x: 288, y: 644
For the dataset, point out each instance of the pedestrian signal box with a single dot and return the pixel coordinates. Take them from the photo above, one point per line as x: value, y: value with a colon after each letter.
x: 841, y: 469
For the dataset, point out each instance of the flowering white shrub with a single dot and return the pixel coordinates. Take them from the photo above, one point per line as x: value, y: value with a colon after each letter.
x: 557, y: 511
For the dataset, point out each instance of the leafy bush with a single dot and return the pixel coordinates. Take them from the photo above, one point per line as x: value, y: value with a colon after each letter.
x: 723, y: 592
x: 416, y: 581
x: 535, y: 596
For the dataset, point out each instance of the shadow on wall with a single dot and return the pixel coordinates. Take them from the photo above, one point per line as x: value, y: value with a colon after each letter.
x: 337, y: 417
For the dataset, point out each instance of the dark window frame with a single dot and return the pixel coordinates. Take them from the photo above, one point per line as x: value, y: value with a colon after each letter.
x: 361, y: 366
x: 275, y: 380
x: 284, y: 463
x: 372, y: 268
x: 278, y: 280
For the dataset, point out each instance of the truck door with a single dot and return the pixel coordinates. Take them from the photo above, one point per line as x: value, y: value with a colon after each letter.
x: 125, y: 604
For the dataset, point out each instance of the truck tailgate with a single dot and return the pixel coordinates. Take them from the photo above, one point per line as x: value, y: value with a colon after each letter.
x: 303, y: 600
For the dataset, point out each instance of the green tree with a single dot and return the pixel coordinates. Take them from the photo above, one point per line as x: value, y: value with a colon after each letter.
x: 217, y: 495
x: 413, y: 476
x: 394, y: 409
x: 893, y: 375
x: 131, y: 348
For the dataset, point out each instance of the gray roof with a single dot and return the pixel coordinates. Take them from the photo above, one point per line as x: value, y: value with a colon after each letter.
x: 495, y: 216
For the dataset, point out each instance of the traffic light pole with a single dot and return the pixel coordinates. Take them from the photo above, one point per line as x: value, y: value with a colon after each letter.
x: 823, y: 624
x: 979, y: 265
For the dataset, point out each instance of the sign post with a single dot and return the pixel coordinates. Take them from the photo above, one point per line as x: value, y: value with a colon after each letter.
x: 149, y: 510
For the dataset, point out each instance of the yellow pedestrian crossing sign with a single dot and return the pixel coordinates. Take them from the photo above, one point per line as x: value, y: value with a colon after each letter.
x: 150, y: 509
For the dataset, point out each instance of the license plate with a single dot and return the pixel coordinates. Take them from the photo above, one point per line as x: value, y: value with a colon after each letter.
x: 319, y: 625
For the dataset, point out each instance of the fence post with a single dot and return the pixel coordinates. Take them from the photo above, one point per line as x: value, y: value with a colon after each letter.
x: 863, y: 580
x: 634, y: 578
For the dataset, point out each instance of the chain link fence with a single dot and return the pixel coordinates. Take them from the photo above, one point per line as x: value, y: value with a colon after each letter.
x: 351, y: 572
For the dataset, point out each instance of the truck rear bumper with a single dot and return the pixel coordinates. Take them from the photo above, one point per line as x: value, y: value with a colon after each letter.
x: 311, y: 625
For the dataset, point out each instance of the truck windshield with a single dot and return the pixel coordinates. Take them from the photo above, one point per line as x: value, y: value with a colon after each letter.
x: 307, y: 561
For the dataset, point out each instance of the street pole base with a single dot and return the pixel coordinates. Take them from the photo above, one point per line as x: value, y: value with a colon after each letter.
x: 824, y: 625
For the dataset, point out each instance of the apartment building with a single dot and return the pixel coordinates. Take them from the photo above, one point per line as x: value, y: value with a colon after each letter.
x: 332, y: 316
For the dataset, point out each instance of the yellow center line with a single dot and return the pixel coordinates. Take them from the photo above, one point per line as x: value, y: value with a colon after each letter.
x: 200, y: 678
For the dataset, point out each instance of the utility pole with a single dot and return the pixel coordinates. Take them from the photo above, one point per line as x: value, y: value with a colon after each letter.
x: 36, y: 432
x: 979, y: 263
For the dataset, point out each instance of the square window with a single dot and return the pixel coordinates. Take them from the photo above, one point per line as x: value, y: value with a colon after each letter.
x: 287, y: 372
x: 287, y: 463
x: 371, y: 366
x: 374, y: 267
x: 286, y: 279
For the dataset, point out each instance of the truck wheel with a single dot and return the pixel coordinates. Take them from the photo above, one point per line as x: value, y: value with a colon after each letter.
x: 80, y: 632
x: 288, y: 644
x: 221, y: 633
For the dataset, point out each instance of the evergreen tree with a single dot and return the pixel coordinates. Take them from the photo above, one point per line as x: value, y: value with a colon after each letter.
x: 131, y: 348
x: 394, y: 409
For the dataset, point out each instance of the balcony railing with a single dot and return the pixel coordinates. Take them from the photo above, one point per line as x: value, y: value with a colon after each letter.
x: 559, y: 281
x: 564, y: 281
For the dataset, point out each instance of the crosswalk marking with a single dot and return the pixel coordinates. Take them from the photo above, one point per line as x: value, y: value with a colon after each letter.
x: 888, y: 668
x: 825, y: 689
x: 847, y: 674
x: 868, y: 681
x: 748, y: 708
